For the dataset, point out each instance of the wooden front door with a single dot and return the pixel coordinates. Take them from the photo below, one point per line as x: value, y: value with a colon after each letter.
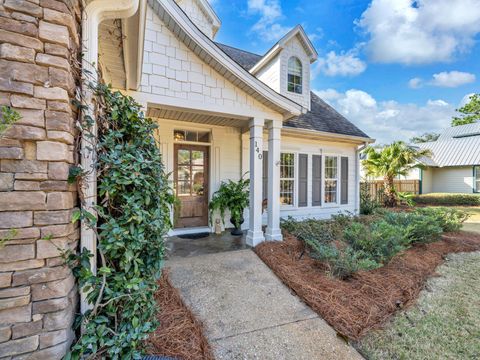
x: 191, y: 185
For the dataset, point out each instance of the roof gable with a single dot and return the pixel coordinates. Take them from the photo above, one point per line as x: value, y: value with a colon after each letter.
x: 178, y: 23
x: 296, y: 33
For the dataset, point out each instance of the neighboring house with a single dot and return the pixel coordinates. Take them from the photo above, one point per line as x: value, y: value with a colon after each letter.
x: 454, y: 166
x: 222, y: 112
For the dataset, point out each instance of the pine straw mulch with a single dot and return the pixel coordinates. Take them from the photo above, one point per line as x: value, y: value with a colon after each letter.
x: 369, y: 298
x: 180, y: 334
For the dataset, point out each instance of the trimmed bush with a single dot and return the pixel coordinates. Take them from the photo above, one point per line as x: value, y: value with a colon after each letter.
x: 448, y: 219
x: 347, y: 244
x: 448, y: 199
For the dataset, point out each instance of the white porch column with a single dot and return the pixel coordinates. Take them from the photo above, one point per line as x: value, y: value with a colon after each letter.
x: 273, y: 228
x: 255, y: 233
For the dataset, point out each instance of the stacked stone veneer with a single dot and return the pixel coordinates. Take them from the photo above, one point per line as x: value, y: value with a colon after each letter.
x: 39, y: 41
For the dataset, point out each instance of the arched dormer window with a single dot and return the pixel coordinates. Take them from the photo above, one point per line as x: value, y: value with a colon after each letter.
x: 295, y: 75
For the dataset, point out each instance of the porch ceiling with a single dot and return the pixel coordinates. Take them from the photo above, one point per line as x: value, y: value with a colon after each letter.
x: 196, y: 117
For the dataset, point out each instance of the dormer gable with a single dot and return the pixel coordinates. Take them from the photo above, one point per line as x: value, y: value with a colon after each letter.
x: 286, y: 66
x: 202, y: 15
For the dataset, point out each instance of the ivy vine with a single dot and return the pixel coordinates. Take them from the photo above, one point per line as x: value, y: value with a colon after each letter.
x: 133, y: 210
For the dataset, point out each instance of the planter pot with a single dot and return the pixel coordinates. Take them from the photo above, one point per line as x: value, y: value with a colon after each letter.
x: 237, y: 231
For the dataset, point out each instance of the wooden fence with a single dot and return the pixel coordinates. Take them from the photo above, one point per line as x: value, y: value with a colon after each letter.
x: 375, y: 187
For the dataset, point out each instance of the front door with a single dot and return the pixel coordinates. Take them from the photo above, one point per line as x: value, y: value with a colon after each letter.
x: 191, y: 185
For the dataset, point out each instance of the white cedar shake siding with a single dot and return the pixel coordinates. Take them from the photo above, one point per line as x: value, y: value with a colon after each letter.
x: 270, y: 74
x: 198, y: 16
x: 171, y: 69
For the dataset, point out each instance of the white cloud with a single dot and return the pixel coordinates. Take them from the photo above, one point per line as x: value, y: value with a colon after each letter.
x: 343, y: 64
x: 415, y: 83
x: 390, y: 120
x: 449, y: 79
x: 452, y: 79
x: 270, y: 11
x: 419, y: 31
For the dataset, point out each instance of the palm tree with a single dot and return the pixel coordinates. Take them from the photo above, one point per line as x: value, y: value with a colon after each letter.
x: 391, y: 161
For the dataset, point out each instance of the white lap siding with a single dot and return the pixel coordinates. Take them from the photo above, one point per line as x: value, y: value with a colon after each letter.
x: 453, y: 180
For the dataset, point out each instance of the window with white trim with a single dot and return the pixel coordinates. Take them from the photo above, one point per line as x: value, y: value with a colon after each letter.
x: 476, y: 179
x: 287, y: 178
x: 295, y: 75
x: 331, y: 179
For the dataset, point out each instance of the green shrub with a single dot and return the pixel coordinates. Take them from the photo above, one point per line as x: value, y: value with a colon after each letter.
x: 448, y: 219
x: 349, y: 243
x: 378, y: 242
x: 418, y: 228
x: 133, y: 216
x: 448, y: 199
x: 320, y: 230
x: 342, y: 263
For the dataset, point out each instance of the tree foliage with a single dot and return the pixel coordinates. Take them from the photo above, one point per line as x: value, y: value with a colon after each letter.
x: 469, y: 113
x: 133, y: 217
x: 389, y: 162
x: 426, y: 137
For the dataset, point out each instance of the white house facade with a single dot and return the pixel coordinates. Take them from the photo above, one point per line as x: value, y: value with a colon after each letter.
x: 224, y: 113
x: 454, y: 164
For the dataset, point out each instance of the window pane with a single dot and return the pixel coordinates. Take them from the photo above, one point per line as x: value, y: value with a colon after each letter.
x: 197, y: 157
x: 179, y: 135
x: 198, y: 180
x: 294, y: 75
x: 330, y: 191
x: 184, y: 156
x: 204, y: 136
x: 191, y: 136
x: 184, y: 173
x: 183, y: 188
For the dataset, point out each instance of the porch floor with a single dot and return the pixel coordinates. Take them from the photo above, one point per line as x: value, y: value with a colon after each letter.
x: 180, y: 248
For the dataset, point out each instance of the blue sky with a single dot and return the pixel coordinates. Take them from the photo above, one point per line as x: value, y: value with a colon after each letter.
x: 396, y: 68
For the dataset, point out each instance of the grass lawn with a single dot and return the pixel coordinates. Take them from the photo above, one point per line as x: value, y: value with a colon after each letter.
x: 445, y: 322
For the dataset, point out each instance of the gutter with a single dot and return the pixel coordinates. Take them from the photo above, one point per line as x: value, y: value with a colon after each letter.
x: 93, y: 14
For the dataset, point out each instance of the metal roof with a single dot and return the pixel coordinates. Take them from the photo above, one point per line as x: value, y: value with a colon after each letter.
x: 456, y: 146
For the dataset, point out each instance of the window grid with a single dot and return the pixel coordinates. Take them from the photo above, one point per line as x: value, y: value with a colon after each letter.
x: 287, y: 178
x: 294, y: 78
x: 331, y: 179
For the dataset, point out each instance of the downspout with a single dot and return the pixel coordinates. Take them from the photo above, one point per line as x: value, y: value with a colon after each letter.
x: 357, y: 176
x: 93, y: 14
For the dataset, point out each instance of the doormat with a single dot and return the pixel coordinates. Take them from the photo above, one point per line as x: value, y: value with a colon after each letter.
x: 194, y: 236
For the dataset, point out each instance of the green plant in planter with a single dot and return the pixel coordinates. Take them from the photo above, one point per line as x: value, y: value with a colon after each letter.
x: 233, y: 196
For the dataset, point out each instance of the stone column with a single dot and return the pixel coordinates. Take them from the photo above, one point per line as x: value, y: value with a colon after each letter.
x: 39, y: 44
x: 255, y: 233
x: 273, y: 228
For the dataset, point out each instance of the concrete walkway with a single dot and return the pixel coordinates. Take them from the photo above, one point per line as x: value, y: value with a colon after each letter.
x: 249, y: 313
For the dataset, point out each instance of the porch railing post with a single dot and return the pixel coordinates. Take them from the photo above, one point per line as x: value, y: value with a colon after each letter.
x: 273, y: 226
x: 255, y: 233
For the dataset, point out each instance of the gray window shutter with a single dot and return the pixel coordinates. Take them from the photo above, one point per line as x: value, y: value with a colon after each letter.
x: 302, y: 179
x: 316, y: 180
x: 344, y: 181
x: 265, y: 176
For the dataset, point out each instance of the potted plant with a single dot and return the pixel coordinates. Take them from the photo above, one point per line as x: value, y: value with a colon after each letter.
x: 233, y: 196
